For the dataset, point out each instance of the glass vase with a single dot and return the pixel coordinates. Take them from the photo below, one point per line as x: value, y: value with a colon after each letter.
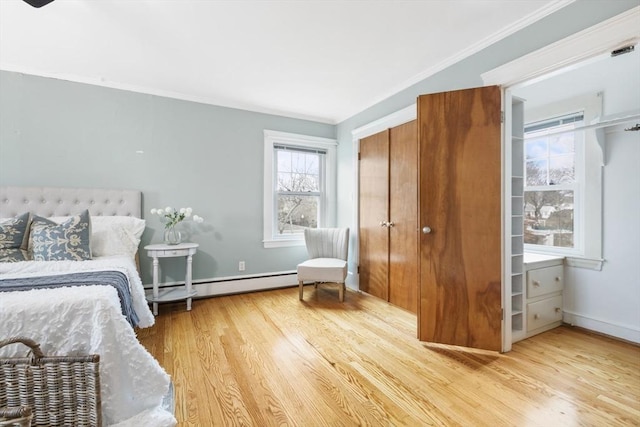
x: 172, y: 236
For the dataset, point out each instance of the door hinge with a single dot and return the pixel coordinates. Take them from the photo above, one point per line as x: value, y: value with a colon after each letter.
x: 501, y: 116
x: 502, y: 314
x: 358, y: 155
x: 358, y: 269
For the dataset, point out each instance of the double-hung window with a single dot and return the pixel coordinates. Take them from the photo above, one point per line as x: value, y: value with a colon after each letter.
x: 299, y: 181
x: 563, y: 167
x: 553, y: 183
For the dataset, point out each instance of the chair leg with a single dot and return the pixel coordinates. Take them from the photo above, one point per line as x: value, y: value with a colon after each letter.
x: 300, y: 286
x: 341, y: 291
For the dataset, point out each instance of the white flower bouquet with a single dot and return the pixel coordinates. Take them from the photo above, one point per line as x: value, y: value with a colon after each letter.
x: 171, y: 217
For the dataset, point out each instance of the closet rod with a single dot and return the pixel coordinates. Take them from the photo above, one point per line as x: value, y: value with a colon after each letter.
x: 611, y: 122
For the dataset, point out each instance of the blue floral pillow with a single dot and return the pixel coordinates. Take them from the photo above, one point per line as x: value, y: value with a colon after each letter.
x: 13, y: 255
x: 14, y: 238
x: 70, y: 240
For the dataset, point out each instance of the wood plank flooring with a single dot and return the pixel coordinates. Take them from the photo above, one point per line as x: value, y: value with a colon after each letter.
x: 267, y: 359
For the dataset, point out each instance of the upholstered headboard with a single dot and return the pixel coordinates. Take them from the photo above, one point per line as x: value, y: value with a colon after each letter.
x: 64, y: 201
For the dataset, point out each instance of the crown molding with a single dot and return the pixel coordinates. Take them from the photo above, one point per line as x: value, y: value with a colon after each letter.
x: 600, y: 39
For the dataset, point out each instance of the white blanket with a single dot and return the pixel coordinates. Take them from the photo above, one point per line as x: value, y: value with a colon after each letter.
x: 123, y: 264
x: 88, y: 320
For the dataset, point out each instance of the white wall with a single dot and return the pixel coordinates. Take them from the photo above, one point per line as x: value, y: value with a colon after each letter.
x: 608, y: 301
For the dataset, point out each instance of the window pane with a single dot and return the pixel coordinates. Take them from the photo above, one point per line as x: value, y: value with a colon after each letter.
x: 295, y: 213
x: 562, y: 169
x: 536, y: 172
x: 561, y: 144
x: 536, y: 148
x: 549, y: 218
x: 298, y: 171
x: 284, y: 160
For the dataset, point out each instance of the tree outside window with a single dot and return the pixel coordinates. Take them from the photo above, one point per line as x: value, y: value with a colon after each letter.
x: 299, y: 187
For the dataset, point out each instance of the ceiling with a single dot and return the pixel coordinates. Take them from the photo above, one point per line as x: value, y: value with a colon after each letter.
x: 313, y: 59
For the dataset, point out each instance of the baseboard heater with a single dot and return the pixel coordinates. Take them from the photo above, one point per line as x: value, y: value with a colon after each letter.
x: 236, y: 284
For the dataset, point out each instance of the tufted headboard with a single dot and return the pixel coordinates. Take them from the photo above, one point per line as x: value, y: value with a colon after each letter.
x: 65, y: 201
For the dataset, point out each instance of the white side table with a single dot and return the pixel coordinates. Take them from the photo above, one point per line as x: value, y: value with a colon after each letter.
x: 169, y: 251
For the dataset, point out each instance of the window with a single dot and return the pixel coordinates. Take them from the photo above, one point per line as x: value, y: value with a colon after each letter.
x: 299, y: 183
x: 553, y: 170
x: 563, y: 168
x: 298, y: 191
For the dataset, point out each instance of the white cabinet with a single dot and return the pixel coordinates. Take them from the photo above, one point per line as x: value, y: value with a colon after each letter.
x: 542, y: 281
x: 533, y: 300
x: 544, y: 314
x: 545, y: 282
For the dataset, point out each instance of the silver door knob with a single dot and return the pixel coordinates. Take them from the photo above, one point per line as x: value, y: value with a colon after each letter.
x: 383, y: 223
x: 390, y: 224
x: 426, y: 230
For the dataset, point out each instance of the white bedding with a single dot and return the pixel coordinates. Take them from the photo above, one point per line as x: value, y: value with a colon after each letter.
x: 123, y: 264
x: 88, y: 320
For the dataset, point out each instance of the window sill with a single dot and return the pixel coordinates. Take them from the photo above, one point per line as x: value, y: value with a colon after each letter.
x: 569, y: 260
x: 284, y: 243
x: 582, y: 262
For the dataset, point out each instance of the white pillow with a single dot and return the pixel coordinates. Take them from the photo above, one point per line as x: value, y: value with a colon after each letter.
x: 116, y: 235
x: 113, y: 235
x: 133, y: 225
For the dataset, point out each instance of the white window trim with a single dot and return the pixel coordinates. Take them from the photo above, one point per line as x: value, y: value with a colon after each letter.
x: 272, y: 137
x: 588, y: 222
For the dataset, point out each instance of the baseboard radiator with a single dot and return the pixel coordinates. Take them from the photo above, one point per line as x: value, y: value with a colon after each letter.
x: 235, y: 284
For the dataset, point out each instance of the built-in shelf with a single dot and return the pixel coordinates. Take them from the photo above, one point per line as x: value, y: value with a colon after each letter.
x: 517, y: 186
x: 515, y: 220
x: 517, y: 266
x: 517, y: 282
x: 517, y: 206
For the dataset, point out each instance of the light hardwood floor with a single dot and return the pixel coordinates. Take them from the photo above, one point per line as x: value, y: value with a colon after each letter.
x: 266, y: 359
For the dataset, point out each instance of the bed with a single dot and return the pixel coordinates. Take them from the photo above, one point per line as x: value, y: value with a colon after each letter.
x: 83, y: 317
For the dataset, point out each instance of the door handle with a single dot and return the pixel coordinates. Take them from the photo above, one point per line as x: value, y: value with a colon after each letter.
x: 426, y: 230
x: 390, y: 224
x: 383, y: 224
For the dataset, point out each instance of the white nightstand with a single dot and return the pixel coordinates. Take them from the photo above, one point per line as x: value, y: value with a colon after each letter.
x: 169, y: 251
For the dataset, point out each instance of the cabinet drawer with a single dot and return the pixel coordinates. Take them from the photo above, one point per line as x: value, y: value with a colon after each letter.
x: 543, y: 312
x: 544, y: 280
x: 169, y: 253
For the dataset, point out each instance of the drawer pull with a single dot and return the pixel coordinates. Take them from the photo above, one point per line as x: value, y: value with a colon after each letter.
x: 558, y: 279
x: 535, y: 316
x: 536, y: 283
x: 175, y: 252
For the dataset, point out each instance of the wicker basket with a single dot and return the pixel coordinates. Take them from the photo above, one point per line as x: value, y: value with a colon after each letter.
x: 20, y: 417
x: 60, y: 390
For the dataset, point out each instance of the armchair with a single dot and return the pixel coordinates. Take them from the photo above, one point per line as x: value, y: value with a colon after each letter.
x: 327, y: 263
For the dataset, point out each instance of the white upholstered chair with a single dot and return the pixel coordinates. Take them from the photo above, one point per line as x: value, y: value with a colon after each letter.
x: 327, y: 263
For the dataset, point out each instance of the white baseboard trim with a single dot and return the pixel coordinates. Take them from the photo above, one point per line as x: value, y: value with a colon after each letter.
x: 625, y: 332
x: 236, y: 284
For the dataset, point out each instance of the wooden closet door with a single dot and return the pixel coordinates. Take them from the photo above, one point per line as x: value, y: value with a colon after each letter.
x: 374, y: 208
x: 403, y: 213
x: 460, y: 200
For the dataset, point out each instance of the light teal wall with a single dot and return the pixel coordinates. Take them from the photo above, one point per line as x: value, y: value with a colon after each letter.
x: 58, y: 133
